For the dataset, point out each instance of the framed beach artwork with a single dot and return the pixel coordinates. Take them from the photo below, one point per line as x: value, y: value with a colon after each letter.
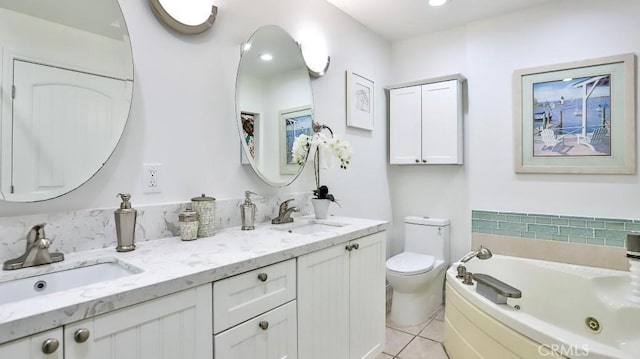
x: 359, y: 101
x: 249, y: 128
x: 576, y: 117
x: 293, y: 123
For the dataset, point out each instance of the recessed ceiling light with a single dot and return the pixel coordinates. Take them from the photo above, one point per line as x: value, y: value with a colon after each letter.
x: 266, y: 57
x: 438, y: 2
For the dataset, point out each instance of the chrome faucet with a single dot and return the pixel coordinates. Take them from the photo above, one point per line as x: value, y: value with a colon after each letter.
x: 481, y: 253
x: 284, y: 213
x: 37, y: 252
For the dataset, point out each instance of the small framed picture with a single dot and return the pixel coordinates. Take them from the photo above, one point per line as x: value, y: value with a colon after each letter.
x: 360, y: 104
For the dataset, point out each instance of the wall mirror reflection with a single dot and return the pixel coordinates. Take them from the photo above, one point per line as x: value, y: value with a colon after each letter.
x: 67, y: 79
x: 274, y: 103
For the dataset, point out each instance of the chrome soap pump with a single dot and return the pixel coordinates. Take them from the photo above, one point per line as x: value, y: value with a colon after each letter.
x: 125, y: 224
x: 248, y: 212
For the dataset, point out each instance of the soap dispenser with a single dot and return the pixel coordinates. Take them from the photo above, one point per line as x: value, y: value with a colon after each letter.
x: 248, y: 212
x: 125, y: 224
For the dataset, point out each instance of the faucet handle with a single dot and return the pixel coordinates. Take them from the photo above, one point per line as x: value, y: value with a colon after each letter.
x: 285, y: 205
x: 36, y: 232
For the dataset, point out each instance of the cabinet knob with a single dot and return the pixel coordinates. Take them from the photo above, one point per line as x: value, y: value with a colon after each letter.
x: 417, y: 160
x: 356, y: 246
x: 81, y: 335
x: 424, y: 161
x: 349, y: 248
x: 263, y: 277
x: 264, y: 325
x: 50, y: 346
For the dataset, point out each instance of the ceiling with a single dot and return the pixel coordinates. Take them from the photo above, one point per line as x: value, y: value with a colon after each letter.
x: 403, y: 19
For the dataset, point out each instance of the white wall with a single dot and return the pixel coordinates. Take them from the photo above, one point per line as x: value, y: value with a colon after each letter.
x: 183, y: 112
x: 487, y: 52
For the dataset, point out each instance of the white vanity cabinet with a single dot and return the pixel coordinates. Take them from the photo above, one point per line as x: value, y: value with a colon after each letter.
x: 425, y: 123
x: 178, y: 325
x: 45, y: 345
x: 254, y: 314
x: 341, y: 300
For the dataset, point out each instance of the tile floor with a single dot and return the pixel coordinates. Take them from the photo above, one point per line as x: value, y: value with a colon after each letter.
x: 423, y: 341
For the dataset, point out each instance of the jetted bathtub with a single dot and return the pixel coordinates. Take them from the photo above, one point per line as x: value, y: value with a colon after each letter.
x: 565, y: 311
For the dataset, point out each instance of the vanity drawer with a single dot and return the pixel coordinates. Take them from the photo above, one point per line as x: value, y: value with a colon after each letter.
x: 247, y: 295
x: 268, y: 336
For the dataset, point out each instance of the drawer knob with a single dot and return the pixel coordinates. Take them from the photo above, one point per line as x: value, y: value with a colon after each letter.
x: 50, y: 346
x: 356, y: 246
x: 417, y: 160
x: 424, y: 161
x: 81, y: 335
x: 264, y: 325
x: 263, y: 277
x: 349, y: 247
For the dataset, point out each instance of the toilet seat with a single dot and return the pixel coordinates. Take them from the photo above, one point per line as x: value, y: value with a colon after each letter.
x: 408, y: 263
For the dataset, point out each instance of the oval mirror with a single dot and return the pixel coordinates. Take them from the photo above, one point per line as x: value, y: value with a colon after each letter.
x: 67, y: 81
x: 274, y: 103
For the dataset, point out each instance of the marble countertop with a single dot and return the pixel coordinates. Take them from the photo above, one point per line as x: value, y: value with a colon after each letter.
x: 168, y: 265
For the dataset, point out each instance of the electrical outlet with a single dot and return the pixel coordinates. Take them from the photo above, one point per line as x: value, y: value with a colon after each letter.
x: 151, y: 173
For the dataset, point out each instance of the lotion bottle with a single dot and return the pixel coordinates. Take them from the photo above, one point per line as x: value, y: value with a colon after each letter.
x: 125, y: 224
x: 248, y: 212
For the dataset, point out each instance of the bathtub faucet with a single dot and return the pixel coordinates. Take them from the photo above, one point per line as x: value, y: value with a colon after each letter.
x: 481, y: 253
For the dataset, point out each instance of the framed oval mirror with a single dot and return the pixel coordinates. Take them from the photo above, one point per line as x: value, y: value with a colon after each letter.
x: 67, y: 81
x: 274, y: 103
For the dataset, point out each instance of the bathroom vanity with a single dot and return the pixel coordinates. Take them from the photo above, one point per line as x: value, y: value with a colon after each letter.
x: 281, y: 290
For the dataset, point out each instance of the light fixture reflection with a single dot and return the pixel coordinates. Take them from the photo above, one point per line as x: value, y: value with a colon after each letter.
x: 438, y: 2
x: 266, y: 57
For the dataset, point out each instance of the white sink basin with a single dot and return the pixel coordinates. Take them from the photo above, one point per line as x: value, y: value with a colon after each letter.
x: 25, y: 288
x: 308, y: 227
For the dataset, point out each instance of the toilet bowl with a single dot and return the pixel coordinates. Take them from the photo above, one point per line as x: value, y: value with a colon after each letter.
x: 417, y: 274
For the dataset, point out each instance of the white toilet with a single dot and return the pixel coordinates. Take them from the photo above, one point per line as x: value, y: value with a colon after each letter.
x: 417, y: 274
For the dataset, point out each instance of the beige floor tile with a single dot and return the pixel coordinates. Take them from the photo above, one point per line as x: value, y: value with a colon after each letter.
x: 421, y: 348
x: 434, y: 331
x: 411, y: 330
x: 384, y: 356
x: 440, y: 315
x: 395, y: 340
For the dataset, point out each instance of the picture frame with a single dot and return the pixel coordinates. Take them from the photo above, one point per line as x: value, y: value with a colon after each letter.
x: 293, y: 123
x: 250, y: 127
x: 576, y: 117
x: 360, y: 97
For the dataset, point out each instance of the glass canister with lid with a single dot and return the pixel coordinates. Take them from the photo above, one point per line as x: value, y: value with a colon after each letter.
x: 206, y: 209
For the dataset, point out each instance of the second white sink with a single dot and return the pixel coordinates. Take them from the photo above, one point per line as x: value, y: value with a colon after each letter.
x: 25, y: 288
x: 308, y: 227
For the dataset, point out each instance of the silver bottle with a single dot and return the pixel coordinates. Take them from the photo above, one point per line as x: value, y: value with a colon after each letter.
x: 125, y: 224
x: 248, y: 212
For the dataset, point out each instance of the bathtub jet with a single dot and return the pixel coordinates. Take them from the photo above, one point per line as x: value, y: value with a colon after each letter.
x: 481, y: 253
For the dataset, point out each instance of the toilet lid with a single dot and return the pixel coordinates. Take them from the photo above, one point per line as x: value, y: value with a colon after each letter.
x: 409, y: 263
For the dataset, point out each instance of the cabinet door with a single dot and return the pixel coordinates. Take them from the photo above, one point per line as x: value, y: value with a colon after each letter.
x: 32, y: 347
x: 323, y: 304
x: 405, y: 125
x: 174, y: 326
x: 272, y: 335
x: 367, y: 297
x: 442, y: 122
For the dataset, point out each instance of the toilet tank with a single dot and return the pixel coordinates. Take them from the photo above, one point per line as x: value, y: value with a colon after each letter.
x: 427, y: 235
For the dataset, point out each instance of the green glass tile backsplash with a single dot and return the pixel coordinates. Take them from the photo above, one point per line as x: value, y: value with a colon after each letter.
x: 590, y: 230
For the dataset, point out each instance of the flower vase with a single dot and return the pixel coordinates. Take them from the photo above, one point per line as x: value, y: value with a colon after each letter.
x: 320, y: 207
